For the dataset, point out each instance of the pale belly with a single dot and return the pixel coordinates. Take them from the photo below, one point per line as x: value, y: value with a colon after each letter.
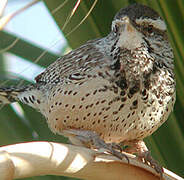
x: 107, y: 111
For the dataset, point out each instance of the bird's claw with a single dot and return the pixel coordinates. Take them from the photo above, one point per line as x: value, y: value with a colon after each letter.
x: 92, y: 140
x: 148, y: 159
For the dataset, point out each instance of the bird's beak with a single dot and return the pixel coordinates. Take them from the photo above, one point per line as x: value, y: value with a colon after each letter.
x: 129, y: 37
x: 125, y: 24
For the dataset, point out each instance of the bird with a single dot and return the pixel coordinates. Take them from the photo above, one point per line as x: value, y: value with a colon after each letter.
x: 114, y: 90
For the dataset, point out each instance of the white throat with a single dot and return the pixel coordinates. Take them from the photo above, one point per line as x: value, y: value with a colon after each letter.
x: 130, y: 39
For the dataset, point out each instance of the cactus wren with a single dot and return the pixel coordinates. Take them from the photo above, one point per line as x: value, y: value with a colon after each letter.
x: 117, y: 89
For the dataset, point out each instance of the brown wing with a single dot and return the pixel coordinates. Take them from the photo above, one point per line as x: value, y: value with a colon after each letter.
x: 74, y: 65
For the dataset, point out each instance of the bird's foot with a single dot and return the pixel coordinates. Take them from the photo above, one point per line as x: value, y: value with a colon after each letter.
x: 139, y: 148
x: 91, y: 139
x: 148, y: 159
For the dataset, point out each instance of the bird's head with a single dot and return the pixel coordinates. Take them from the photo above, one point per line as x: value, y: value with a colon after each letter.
x: 138, y: 25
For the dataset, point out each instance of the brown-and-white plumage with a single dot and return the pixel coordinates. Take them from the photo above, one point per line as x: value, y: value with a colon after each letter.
x: 121, y: 87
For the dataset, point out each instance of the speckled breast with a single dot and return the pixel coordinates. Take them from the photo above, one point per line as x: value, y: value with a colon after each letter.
x: 99, y: 106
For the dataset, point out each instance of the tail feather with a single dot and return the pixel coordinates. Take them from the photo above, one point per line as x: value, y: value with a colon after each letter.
x: 10, y: 94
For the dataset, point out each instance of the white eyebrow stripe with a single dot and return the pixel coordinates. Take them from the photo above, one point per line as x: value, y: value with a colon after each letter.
x: 158, y: 23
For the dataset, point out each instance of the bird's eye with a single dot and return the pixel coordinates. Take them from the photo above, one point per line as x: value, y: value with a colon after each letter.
x: 115, y: 29
x: 150, y: 29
